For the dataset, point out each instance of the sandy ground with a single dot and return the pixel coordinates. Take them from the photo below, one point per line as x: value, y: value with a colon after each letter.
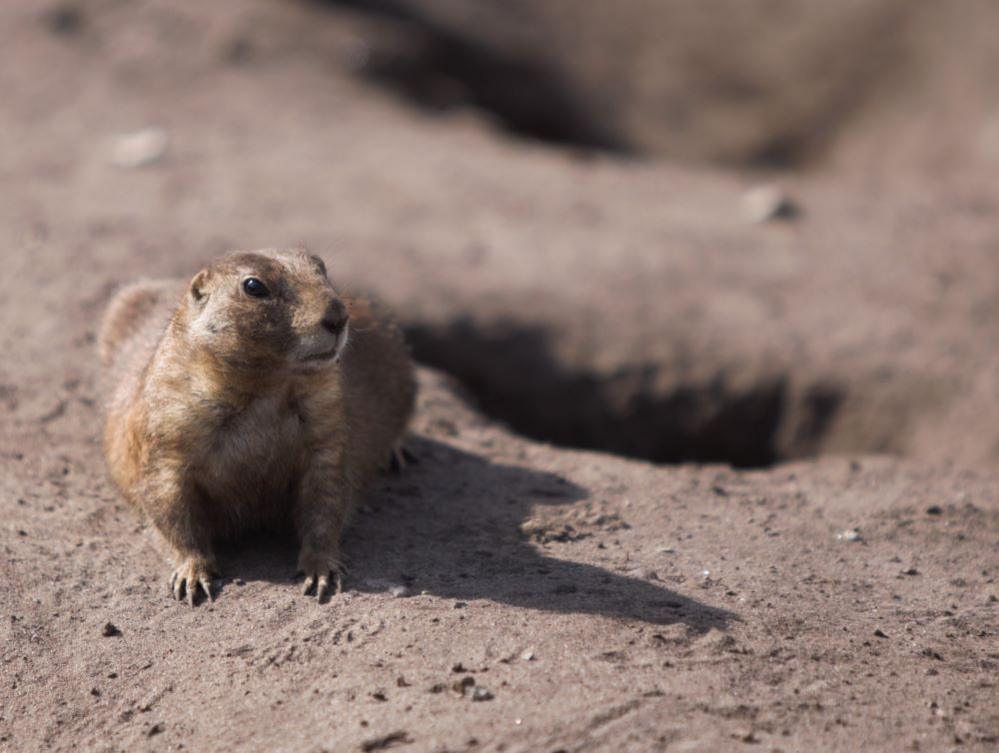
x: 504, y: 594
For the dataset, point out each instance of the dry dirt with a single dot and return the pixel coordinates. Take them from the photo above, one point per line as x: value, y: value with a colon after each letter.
x: 505, y: 594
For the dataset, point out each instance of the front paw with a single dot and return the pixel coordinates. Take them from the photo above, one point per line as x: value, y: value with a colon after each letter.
x: 192, y: 573
x: 319, y: 571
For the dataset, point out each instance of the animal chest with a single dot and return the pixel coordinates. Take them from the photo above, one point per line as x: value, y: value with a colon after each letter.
x: 257, y: 455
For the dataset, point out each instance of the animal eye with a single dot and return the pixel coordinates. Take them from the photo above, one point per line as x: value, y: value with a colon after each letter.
x: 255, y: 287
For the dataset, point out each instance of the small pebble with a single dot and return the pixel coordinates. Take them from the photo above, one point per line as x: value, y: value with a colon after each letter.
x: 851, y: 534
x: 879, y: 633
x: 481, y: 694
x: 139, y: 148
x: 110, y: 630
x: 766, y: 203
x: 64, y: 19
x: 934, y: 510
x: 528, y: 655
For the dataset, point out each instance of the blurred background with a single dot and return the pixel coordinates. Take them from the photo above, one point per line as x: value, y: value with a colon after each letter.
x: 739, y: 231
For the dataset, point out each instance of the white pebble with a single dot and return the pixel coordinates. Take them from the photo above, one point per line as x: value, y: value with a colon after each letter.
x: 139, y: 148
x: 767, y: 202
x: 851, y: 534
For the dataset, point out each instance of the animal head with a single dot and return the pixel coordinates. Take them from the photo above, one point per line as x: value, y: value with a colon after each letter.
x: 265, y: 310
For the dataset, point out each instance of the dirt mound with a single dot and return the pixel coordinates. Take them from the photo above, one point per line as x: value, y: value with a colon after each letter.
x: 758, y: 83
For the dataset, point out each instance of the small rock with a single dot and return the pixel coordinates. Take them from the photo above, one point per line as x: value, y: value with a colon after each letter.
x: 399, y: 592
x: 64, y: 19
x: 155, y: 729
x: 934, y: 510
x: 765, y: 203
x: 879, y: 633
x: 910, y: 571
x: 852, y: 534
x: 139, y: 148
x: 463, y: 685
x: 110, y: 630
x: 528, y: 655
x: 481, y: 694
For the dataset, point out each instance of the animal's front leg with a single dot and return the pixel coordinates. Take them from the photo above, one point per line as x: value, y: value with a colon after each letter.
x: 324, y: 502
x: 177, y: 512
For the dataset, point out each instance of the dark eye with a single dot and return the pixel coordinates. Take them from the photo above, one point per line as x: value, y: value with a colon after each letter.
x: 255, y: 287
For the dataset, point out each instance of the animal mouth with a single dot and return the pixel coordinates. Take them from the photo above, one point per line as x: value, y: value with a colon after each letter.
x: 325, y: 355
x: 332, y: 354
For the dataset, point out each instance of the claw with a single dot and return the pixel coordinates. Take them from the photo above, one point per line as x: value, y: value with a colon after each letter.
x: 178, y: 587
x: 206, y: 586
x: 310, y: 581
x: 192, y: 590
x: 322, y: 587
x: 400, y: 457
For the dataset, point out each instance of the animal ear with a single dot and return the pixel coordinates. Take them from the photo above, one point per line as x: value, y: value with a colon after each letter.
x: 199, y: 286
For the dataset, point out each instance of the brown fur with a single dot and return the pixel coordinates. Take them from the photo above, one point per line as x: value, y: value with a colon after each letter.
x: 225, y: 412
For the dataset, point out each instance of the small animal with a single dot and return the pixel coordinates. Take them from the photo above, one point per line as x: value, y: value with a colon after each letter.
x: 253, y: 396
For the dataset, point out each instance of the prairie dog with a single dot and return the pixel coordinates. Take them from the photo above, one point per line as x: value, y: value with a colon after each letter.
x: 253, y: 395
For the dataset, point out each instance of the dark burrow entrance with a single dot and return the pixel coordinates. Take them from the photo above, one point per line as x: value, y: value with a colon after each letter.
x: 513, y: 376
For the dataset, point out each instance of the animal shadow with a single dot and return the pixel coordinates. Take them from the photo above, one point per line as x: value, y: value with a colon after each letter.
x: 451, y: 525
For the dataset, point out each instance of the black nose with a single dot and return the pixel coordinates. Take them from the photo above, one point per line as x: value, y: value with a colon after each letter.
x: 336, y: 317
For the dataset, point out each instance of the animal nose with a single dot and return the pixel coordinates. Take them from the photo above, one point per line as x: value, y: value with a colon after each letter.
x: 336, y: 317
